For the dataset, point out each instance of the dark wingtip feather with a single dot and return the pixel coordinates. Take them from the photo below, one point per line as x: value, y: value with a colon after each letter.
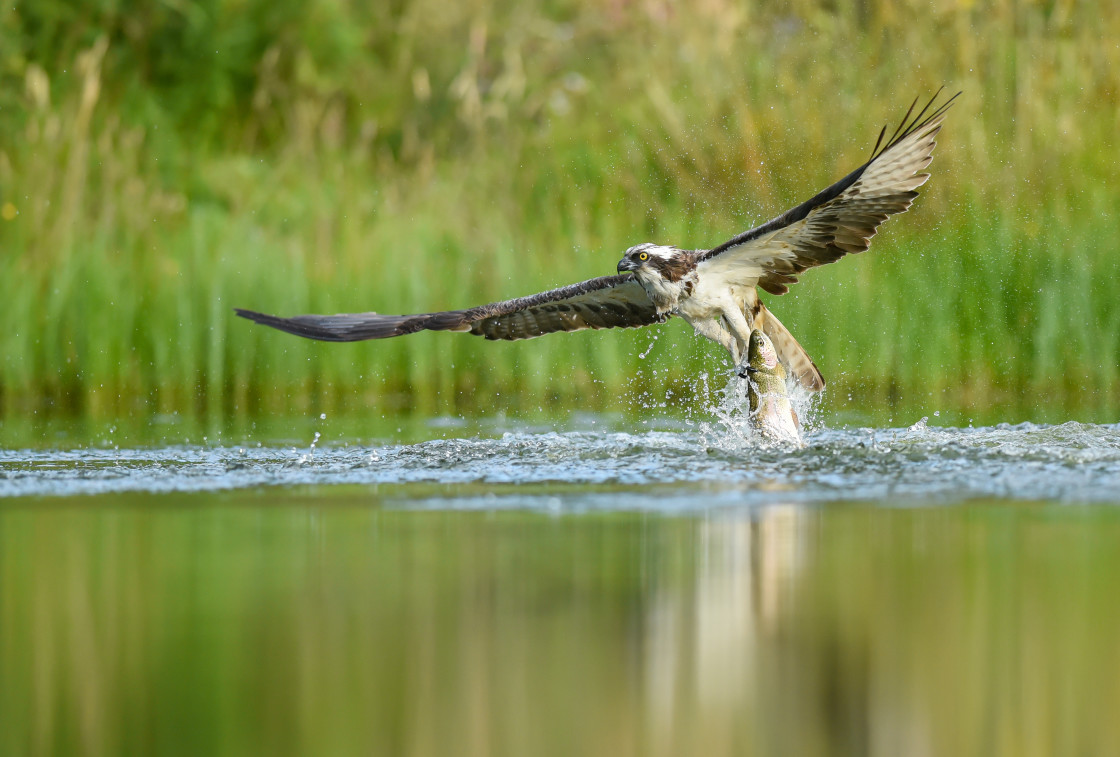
x: 910, y: 125
x: 879, y: 141
x: 255, y: 317
x: 283, y: 324
x: 307, y: 326
x: 265, y: 319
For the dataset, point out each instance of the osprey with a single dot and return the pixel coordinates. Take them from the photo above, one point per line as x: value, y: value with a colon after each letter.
x: 714, y: 290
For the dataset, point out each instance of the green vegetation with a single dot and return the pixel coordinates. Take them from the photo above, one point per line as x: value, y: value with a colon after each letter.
x: 161, y: 164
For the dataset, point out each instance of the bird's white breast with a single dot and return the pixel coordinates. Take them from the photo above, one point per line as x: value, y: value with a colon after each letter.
x: 710, y: 299
x: 666, y: 295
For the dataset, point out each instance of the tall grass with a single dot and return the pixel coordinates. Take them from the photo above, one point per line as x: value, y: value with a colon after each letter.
x: 158, y: 169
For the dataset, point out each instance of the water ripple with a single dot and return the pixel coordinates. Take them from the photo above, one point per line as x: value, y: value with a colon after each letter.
x: 664, y: 470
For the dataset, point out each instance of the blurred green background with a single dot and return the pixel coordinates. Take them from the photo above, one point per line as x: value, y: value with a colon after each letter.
x: 161, y: 163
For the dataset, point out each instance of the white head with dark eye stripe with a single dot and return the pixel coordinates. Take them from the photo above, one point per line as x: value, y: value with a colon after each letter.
x: 648, y: 256
x: 666, y: 273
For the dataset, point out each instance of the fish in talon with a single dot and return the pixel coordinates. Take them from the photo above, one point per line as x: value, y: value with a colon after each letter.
x: 770, y: 409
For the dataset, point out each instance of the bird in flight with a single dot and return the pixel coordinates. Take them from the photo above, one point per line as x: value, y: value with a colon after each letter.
x: 715, y: 290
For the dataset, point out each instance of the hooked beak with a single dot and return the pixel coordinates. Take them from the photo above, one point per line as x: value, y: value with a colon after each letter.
x: 626, y: 264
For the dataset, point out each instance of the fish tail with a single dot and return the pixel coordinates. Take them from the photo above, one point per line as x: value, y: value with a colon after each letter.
x: 789, y: 351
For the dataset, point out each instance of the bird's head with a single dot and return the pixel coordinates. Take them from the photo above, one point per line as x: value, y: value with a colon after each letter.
x: 650, y: 260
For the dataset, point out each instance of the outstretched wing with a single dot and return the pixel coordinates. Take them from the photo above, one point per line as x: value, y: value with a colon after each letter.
x: 603, y: 303
x: 841, y: 219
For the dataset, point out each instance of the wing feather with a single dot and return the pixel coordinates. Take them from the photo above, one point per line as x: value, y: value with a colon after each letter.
x: 839, y: 220
x: 603, y: 303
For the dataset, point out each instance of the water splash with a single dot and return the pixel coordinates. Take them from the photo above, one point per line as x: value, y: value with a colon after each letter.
x: 724, y: 465
x: 730, y: 428
x: 309, y: 456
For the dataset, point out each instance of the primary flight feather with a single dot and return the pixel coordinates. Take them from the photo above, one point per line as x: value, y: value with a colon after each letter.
x: 714, y: 290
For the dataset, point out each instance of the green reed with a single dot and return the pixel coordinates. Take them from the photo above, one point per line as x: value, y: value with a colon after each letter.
x: 327, y: 159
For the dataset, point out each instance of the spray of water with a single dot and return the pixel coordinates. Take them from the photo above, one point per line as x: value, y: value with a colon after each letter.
x: 720, y: 414
x: 731, y: 429
x: 309, y: 457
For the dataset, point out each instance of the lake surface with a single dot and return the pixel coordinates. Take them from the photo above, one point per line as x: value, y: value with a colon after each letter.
x: 610, y: 588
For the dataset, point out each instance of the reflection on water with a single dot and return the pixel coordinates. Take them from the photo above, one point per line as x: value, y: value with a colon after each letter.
x: 303, y: 622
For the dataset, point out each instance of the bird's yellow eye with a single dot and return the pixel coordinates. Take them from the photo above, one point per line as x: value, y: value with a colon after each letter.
x: 643, y: 256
